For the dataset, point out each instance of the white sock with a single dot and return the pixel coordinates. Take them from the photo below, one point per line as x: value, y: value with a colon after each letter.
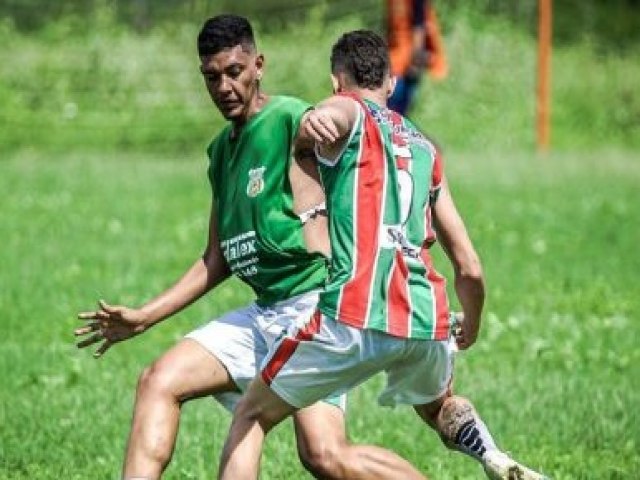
x: 473, y: 438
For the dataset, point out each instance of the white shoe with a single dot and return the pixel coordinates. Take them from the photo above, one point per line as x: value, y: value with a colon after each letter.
x: 499, y: 466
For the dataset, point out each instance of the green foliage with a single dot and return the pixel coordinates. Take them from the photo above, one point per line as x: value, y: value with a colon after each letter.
x: 96, y: 85
x: 488, y: 101
x: 554, y: 372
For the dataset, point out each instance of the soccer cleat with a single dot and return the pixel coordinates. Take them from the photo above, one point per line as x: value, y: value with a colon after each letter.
x: 499, y: 466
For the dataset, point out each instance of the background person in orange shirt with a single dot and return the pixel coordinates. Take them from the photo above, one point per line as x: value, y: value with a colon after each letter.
x: 415, y: 45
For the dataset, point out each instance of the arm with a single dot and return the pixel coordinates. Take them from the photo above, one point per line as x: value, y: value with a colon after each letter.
x: 324, y: 129
x: 329, y: 125
x: 115, y: 323
x: 469, y: 281
x: 418, y: 33
x: 308, y: 195
x: 206, y: 272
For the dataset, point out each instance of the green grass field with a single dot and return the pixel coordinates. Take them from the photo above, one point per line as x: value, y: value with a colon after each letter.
x: 104, y: 195
x: 555, y: 371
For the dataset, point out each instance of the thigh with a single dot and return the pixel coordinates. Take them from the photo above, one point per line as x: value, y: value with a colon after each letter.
x: 319, y: 427
x: 235, y: 341
x: 188, y: 370
x: 422, y: 376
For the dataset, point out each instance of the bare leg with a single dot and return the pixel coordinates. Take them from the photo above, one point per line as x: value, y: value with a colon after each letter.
x: 322, y: 443
x: 186, y: 371
x: 258, y: 412
x: 462, y: 429
x: 458, y: 425
x: 325, y: 451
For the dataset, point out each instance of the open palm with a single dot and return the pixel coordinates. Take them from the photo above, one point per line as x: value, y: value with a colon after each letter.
x: 110, y: 324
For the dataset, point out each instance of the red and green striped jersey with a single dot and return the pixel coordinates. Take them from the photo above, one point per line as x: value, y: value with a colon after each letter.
x: 380, y: 192
x: 260, y: 234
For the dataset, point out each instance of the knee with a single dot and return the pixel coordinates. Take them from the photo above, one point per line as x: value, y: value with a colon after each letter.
x: 156, y: 380
x: 252, y: 412
x: 430, y: 412
x: 324, y: 459
x: 454, y: 414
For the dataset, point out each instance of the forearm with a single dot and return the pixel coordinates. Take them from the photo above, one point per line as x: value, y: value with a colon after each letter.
x: 328, y: 124
x: 197, y: 281
x: 469, y: 286
x: 469, y: 280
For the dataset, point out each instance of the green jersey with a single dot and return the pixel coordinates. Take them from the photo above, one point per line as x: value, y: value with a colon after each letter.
x: 260, y: 235
x: 380, y: 193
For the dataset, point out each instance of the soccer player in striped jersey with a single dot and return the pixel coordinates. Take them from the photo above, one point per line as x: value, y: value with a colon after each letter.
x: 384, y: 307
x: 255, y: 235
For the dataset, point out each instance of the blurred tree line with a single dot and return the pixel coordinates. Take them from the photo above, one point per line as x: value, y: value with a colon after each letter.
x: 610, y: 23
x: 123, y: 74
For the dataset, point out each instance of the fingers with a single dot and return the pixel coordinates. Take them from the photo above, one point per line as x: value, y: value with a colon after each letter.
x: 99, y: 325
x: 102, y: 349
x: 459, y: 333
x: 91, y: 327
x: 111, y: 309
x: 461, y: 343
x: 98, y: 315
x: 90, y: 341
x: 458, y: 336
x: 321, y: 128
x: 104, y: 311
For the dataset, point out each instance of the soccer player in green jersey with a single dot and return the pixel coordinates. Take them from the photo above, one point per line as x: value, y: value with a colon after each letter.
x: 384, y: 307
x: 255, y: 234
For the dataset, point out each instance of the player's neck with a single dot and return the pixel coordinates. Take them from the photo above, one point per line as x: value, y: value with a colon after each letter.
x: 254, y: 107
x: 379, y: 97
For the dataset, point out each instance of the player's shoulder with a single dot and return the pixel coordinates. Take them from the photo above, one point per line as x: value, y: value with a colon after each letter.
x: 217, y: 141
x: 418, y: 136
x: 288, y: 104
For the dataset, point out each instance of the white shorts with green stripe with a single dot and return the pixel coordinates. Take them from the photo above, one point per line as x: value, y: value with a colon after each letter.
x: 242, y: 338
x: 326, y: 358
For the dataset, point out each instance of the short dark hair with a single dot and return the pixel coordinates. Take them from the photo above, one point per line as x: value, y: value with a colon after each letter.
x: 225, y: 31
x: 363, y: 55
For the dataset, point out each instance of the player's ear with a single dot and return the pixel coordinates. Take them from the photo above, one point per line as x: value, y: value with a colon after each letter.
x: 336, y: 84
x: 259, y: 66
x: 391, y: 85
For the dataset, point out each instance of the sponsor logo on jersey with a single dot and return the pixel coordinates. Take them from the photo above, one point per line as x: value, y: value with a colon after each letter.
x: 256, y: 181
x: 410, y: 135
x: 395, y: 238
x: 240, y: 254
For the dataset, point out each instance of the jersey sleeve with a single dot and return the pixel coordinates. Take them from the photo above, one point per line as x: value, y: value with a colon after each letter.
x: 297, y: 108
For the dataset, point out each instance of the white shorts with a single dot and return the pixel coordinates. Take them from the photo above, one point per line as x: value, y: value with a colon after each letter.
x: 326, y: 357
x: 241, y: 338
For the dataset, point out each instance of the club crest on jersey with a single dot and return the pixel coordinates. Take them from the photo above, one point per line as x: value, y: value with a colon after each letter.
x: 256, y: 181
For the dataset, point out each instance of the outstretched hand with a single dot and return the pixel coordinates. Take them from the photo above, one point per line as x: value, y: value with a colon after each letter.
x: 109, y: 324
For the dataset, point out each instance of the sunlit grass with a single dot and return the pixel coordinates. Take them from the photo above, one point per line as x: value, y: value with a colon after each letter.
x: 554, y: 372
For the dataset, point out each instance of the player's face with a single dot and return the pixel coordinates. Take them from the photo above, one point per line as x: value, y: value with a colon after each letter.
x: 232, y: 78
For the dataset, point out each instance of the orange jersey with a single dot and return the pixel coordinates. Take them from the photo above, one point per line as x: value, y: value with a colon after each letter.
x: 400, y: 38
